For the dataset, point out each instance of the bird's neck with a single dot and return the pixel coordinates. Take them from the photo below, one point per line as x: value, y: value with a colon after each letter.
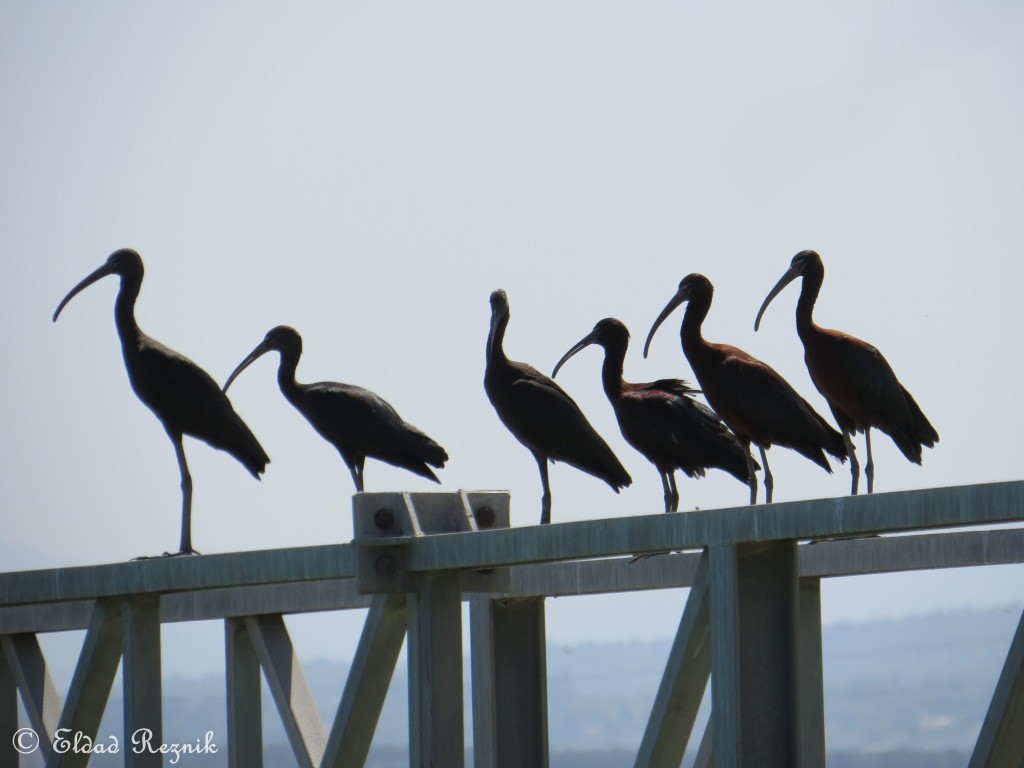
x: 812, y: 280
x: 495, y: 350
x: 690, y: 331
x: 611, y: 372
x: 124, y: 312
x: 286, y: 373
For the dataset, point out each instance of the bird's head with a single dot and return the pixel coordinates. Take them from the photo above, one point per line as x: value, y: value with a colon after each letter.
x: 802, y: 263
x: 283, y: 339
x: 499, y: 302
x: 499, y: 320
x: 124, y: 262
x: 693, y: 287
x: 607, y: 333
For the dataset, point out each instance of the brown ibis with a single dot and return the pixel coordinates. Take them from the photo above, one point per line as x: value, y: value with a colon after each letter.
x: 858, y: 383
x: 357, y: 422
x: 661, y: 419
x: 755, y: 401
x: 183, y: 396
x: 541, y: 416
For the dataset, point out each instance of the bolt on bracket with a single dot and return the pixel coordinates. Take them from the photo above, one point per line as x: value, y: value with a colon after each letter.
x: 387, y: 524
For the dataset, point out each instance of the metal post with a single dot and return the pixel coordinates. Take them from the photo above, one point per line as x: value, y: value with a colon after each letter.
x: 8, y: 713
x: 436, y: 735
x: 811, y: 677
x: 754, y: 654
x: 509, y: 658
x: 143, y: 712
x: 245, y: 706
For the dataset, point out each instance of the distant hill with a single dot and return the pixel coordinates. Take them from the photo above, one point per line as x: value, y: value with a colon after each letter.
x: 901, y: 693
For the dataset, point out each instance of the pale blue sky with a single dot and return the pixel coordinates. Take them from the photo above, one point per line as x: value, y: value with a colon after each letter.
x: 369, y: 172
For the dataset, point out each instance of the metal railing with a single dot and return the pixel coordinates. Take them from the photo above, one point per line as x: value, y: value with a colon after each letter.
x: 751, y: 624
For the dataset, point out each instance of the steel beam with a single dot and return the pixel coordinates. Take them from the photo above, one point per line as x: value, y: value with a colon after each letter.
x: 367, y: 685
x: 706, y: 754
x: 93, y: 678
x: 289, y: 688
x: 39, y: 696
x: 755, y: 654
x: 143, y: 706
x: 824, y: 559
x: 436, y: 736
x: 175, y: 574
x: 1001, y: 741
x: 509, y: 668
x: 244, y: 697
x: 682, y: 684
x: 814, y: 519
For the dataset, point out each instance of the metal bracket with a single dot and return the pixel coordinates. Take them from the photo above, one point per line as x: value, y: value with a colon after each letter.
x: 386, y: 524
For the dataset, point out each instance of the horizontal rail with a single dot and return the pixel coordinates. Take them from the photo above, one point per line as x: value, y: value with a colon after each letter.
x: 992, y: 503
x: 969, y: 505
x: 581, y: 577
x: 178, y: 574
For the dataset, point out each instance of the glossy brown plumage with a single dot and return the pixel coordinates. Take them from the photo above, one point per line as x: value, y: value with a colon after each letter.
x: 752, y: 398
x: 859, y: 384
x: 183, y: 396
x: 661, y: 419
x: 541, y: 416
x: 357, y: 422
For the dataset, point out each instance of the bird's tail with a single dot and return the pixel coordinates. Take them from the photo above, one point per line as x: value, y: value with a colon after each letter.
x: 833, y: 442
x: 253, y: 457
x: 917, y: 434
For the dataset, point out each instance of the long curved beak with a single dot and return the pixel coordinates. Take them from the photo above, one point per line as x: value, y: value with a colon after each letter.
x: 260, y: 350
x: 681, y: 295
x: 583, y: 343
x: 97, y: 274
x: 791, y: 274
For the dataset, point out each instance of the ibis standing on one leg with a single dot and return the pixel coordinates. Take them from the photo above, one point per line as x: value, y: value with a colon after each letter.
x: 358, y: 423
x: 755, y: 401
x: 858, y: 383
x: 661, y: 419
x: 183, y: 396
x: 541, y: 416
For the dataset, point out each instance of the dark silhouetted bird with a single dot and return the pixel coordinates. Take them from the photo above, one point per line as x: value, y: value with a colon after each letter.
x: 354, y: 420
x: 858, y: 383
x: 755, y: 401
x: 661, y: 419
x: 182, y: 395
x: 542, y: 416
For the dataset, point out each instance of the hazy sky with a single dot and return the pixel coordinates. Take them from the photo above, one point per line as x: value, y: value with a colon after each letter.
x: 369, y: 172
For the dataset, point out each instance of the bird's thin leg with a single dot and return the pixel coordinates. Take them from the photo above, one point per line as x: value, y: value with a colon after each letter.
x: 769, y: 482
x: 545, y: 500
x: 186, y: 497
x: 854, y: 465
x: 668, y: 491
x: 356, y: 469
x: 675, y: 491
x: 869, y: 469
x: 751, y: 477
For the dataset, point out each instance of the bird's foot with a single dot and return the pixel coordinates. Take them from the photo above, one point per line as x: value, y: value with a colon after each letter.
x: 189, y: 552
x: 853, y: 537
x: 182, y: 553
x: 647, y: 555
